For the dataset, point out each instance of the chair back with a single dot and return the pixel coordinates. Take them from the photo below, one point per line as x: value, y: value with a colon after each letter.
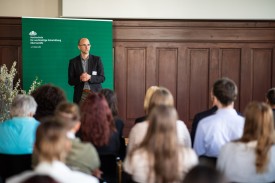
x: 14, y: 164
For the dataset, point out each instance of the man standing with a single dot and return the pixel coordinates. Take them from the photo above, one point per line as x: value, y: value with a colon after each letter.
x: 223, y: 126
x: 85, y: 72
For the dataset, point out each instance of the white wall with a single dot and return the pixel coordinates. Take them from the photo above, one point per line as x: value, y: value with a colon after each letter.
x: 171, y: 9
x: 31, y: 8
x: 142, y: 9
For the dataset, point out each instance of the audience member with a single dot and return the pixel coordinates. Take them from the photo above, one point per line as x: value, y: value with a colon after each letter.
x: 111, y: 98
x: 204, y: 174
x: 82, y: 156
x: 40, y: 179
x: 98, y: 128
x: 160, y: 157
x: 201, y: 115
x: 252, y: 157
x: 270, y: 99
x: 97, y: 125
x: 162, y: 96
x: 223, y: 126
x: 17, y: 135
x: 52, y: 146
x: 47, y: 98
x: 147, y: 98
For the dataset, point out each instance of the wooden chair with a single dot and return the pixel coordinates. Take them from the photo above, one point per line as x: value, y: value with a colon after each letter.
x: 13, y: 164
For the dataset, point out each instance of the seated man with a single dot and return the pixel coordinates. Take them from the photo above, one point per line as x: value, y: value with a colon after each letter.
x: 223, y: 126
x: 17, y: 135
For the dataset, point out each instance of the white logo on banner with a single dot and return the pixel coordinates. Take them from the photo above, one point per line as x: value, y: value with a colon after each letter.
x: 38, y: 41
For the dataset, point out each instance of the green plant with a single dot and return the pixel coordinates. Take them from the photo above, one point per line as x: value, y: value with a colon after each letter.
x: 9, y: 89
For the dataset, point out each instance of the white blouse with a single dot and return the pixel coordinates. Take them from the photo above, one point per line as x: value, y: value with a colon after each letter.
x: 237, y: 162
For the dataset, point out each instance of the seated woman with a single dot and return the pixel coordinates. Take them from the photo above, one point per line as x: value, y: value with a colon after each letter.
x: 148, y: 95
x: 161, y: 96
x: 82, y: 156
x: 52, y: 146
x: 252, y: 157
x: 98, y: 128
x: 160, y: 157
x: 17, y: 135
x: 111, y: 98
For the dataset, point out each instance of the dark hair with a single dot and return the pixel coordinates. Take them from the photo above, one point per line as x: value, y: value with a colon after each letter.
x: 271, y: 96
x: 47, y: 98
x: 97, y: 122
x: 40, y: 179
x: 111, y: 99
x: 225, y: 90
x: 204, y: 174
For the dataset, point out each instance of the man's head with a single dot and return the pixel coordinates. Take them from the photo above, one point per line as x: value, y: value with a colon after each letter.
x: 84, y: 45
x: 270, y: 97
x: 225, y: 91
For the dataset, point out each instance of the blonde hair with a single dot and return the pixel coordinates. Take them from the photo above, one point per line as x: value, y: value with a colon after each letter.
x: 161, y: 145
x: 51, y: 140
x: 150, y: 91
x: 259, y: 126
x: 162, y: 96
x: 69, y: 112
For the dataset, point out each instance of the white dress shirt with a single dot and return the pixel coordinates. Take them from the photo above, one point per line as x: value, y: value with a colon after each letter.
x: 216, y: 130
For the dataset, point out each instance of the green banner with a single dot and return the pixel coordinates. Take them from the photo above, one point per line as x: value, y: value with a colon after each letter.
x: 49, y: 44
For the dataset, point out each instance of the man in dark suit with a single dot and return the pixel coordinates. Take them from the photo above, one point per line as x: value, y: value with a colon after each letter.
x: 85, y: 72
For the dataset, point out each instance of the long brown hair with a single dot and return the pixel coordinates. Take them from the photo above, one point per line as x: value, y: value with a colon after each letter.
x: 259, y: 126
x: 97, y: 122
x: 161, y: 145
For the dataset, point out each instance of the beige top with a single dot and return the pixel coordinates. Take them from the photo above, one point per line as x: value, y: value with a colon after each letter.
x: 139, y: 167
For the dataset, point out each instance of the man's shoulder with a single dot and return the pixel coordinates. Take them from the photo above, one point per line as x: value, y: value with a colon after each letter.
x: 76, y: 58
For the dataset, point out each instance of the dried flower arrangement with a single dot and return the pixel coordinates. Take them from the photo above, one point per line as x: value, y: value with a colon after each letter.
x: 9, y: 89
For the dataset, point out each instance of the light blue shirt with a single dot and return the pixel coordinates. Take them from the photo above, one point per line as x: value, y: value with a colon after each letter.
x: 216, y: 130
x: 17, y: 135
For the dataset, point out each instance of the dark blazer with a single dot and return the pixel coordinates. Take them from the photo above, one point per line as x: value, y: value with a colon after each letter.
x: 95, y: 69
x: 197, y: 119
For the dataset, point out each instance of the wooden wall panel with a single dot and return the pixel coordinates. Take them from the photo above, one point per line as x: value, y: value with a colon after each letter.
x: 135, y: 77
x: 167, y: 60
x: 198, y: 83
x: 230, y: 67
x: 262, y: 69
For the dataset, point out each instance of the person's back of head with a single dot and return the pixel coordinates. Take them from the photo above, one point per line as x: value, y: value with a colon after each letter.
x: 270, y: 96
x: 162, y: 96
x: 97, y: 122
x: 111, y: 98
x: 40, y: 179
x: 70, y: 114
x: 225, y: 90
x: 51, y: 140
x: 259, y: 126
x: 22, y: 106
x: 204, y: 174
x: 47, y: 98
x: 161, y: 143
x: 150, y: 91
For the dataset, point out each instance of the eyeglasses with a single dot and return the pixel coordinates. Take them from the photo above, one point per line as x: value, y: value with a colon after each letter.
x: 86, y: 45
